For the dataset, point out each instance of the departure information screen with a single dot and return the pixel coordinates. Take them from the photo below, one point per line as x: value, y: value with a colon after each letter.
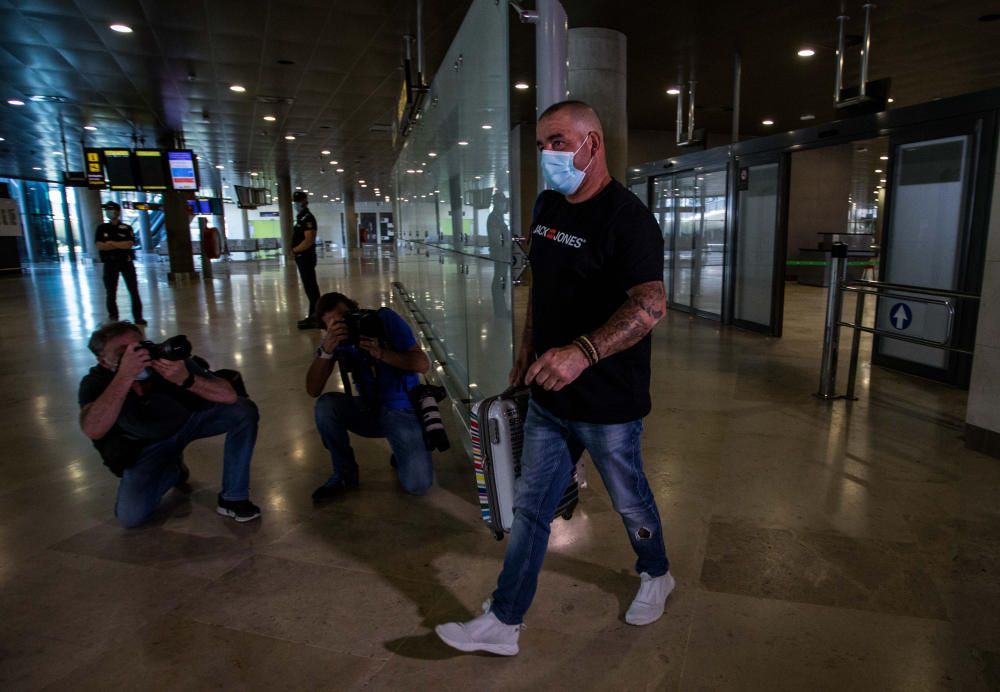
x: 182, y: 175
x: 152, y: 171
x: 95, y: 169
x: 121, y: 172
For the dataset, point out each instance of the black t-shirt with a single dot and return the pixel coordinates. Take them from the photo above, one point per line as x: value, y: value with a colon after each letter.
x: 157, y: 414
x: 115, y: 232
x: 584, y: 259
x: 305, y: 221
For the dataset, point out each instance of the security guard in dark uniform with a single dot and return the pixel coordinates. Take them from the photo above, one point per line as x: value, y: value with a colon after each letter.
x: 115, y: 240
x: 304, y: 249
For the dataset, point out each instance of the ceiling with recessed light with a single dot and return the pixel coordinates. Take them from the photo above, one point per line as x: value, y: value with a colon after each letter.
x: 324, y: 75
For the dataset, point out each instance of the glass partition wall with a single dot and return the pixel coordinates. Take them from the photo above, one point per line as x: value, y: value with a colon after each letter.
x: 452, y: 191
x: 691, y: 210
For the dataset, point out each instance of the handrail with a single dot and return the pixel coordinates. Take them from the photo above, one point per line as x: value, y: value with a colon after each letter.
x: 880, y: 289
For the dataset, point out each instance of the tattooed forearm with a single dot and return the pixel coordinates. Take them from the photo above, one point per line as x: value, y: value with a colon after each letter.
x: 646, y: 305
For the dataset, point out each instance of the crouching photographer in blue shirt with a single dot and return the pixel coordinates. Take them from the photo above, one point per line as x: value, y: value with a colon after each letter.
x: 376, y: 349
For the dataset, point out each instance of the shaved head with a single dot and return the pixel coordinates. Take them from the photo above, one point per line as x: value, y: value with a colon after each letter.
x: 582, y: 116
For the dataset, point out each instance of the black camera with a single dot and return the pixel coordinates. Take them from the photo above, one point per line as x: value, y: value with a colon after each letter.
x: 363, y: 323
x: 175, y: 348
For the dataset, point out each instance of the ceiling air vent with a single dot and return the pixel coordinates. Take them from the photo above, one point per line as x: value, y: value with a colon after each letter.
x: 288, y: 100
x: 380, y: 127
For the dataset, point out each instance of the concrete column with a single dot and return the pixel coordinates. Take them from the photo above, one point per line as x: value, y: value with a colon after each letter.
x: 351, y: 222
x: 285, y: 213
x: 88, y: 207
x: 144, y: 236
x: 245, y: 219
x: 597, y: 73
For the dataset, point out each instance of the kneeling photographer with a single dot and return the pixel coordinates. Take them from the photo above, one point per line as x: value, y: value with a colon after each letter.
x: 377, y: 350
x: 143, y: 403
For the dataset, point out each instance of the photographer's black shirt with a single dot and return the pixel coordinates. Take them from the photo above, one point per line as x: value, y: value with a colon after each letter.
x: 157, y: 414
x: 115, y: 232
x: 305, y: 221
x: 584, y: 258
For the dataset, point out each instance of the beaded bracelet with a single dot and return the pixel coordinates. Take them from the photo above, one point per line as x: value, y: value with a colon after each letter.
x: 587, y: 348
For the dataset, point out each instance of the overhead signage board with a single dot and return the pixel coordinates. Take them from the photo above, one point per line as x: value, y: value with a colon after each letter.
x: 151, y: 165
x: 94, y: 169
x: 120, y: 169
x: 182, y: 172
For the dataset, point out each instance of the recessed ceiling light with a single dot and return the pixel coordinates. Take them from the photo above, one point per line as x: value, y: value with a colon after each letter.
x: 312, y: 194
x: 340, y: 170
x: 270, y: 118
x: 487, y: 126
x: 3, y: 139
x: 290, y: 138
x: 522, y: 86
x: 57, y: 153
x: 36, y: 168
x: 361, y: 182
x: 411, y: 170
x: 254, y: 174
x: 807, y: 116
x: 806, y: 52
x: 461, y: 142
x: 121, y: 28
x: 432, y: 154
x: 325, y: 152
x: 883, y: 158
x: 90, y: 128
x: 326, y: 195
x: 220, y: 167
x: 767, y: 122
x: 238, y: 88
x: 364, y: 186
x: 890, y: 100
x: 15, y: 102
x: 478, y: 177
x: 673, y: 91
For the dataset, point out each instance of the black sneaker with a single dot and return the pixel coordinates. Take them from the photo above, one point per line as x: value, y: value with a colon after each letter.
x: 334, y: 489
x: 240, y: 510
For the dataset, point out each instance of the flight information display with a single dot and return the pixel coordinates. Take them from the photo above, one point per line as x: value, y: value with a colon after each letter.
x: 182, y: 171
x: 152, y: 169
x: 120, y: 170
x: 95, y: 169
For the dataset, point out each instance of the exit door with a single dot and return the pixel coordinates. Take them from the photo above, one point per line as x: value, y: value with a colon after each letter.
x: 936, y: 215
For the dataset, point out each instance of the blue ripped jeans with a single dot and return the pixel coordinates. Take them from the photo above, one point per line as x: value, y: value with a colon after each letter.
x: 546, y: 469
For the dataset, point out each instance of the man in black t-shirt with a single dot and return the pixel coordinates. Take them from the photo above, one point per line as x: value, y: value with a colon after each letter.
x: 141, y: 413
x: 115, y: 241
x: 597, y: 267
x: 304, y: 250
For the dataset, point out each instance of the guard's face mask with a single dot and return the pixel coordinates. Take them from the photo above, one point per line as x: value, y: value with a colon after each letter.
x: 297, y: 206
x: 559, y: 171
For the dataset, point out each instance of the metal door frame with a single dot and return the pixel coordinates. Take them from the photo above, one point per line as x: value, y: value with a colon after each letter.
x: 783, y: 159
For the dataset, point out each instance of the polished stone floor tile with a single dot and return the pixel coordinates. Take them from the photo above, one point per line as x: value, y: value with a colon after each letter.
x: 743, y: 643
x: 819, y: 568
x: 815, y: 545
x: 176, y: 653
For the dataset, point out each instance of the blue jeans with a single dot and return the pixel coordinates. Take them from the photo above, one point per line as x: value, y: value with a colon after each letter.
x: 337, y: 414
x: 158, y: 469
x: 546, y: 469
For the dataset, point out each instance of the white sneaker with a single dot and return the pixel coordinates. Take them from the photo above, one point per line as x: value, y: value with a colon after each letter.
x: 647, y: 606
x: 484, y: 633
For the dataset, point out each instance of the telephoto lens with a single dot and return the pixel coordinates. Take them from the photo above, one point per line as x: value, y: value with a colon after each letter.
x: 425, y: 398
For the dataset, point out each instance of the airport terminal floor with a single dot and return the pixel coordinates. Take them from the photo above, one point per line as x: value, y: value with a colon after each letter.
x: 816, y: 546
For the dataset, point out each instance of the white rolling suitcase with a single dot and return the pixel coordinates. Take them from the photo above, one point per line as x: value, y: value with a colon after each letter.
x: 497, y: 425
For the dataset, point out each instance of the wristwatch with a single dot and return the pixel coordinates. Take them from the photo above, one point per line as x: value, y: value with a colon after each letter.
x: 323, y: 355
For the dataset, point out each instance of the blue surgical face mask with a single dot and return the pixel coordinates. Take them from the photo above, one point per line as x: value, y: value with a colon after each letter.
x: 559, y: 171
x: 297, y: 206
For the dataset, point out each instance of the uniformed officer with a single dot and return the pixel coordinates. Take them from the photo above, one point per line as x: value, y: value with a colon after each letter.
x: 304, y: 250
x: 115, y: 241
